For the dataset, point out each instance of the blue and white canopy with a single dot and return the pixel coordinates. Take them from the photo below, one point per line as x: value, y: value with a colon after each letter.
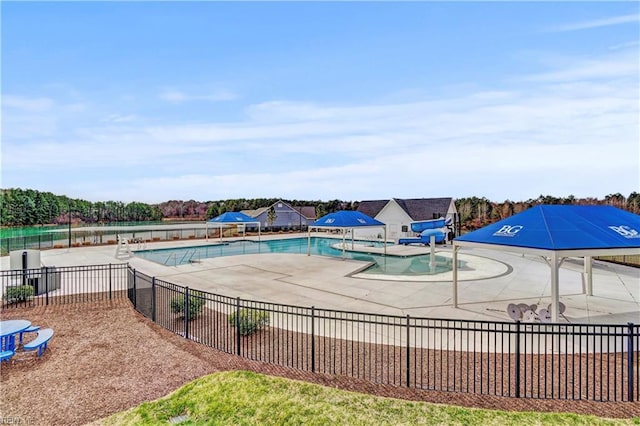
x: 600, y: 230
x: 344, y: 220
x: 233, y: 218
x: 557, y: 232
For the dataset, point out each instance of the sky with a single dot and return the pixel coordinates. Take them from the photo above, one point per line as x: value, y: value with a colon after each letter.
x: 157, y: 101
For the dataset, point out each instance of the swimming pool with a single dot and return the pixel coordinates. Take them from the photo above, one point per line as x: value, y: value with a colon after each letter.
x: 389, y: 265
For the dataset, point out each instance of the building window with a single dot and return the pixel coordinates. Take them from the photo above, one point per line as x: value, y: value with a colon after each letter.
x: 405, y: 228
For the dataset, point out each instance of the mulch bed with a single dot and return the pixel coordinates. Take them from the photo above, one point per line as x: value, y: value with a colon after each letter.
x: 105, y: 358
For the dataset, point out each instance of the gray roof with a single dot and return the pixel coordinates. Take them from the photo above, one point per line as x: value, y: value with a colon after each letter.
x: 308, y: 212
x: 372, y: 208
x: 255, y: 213
x: 416, y: 208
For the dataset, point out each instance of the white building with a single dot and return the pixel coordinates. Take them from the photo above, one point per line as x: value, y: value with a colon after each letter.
x: 398, y: 214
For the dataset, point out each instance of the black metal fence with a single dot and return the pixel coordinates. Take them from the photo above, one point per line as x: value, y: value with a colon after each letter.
x: 63, y: 285
x: 526, y: 360
x: 37, y: 242
x: 106, y: 235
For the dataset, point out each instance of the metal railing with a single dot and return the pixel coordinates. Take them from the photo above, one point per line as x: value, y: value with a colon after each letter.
x: 102, y: 237
x: 512, y: 359
x: 63, y: 285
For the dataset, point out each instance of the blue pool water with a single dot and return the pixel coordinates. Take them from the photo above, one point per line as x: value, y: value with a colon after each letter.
x: 389, y: 265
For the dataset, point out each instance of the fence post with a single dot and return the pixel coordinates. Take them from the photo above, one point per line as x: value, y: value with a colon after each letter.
x: 630, y: 386
x: 24, y: 268
x: 153, y: 299
x: 313, y: 339
x: 46, y: 285
x: 237, y: 326
x: 408, y: 360
x: 110, y: 272
x: 187, y: 317
x: 517, y: 359
x: 135, y: 292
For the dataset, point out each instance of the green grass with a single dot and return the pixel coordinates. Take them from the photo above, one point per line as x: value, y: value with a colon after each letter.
x: 245, y: 398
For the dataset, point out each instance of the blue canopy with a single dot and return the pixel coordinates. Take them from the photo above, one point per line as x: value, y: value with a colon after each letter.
x: 557, y: 232
x: 346, y: 219
x: 560, y: 227
x: 234, y: 217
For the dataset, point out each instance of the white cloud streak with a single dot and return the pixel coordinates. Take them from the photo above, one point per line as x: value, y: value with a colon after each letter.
x: 119, y: 118
x: 178, y: 96
x: 597, y: 23
x: 26, y: 104
x: 617, y: 64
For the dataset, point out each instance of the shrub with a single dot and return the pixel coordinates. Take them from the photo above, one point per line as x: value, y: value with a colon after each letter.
x: 196, y: 302
x: 20, y: 293
x: 251, y: 320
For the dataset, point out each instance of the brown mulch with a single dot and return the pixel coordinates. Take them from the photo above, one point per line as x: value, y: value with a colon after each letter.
x: 105, y: 358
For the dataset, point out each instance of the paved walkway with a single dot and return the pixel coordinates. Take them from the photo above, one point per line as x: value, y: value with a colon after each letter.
x: 490, y: 281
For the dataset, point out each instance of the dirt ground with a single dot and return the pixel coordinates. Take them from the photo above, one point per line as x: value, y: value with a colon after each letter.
x: 105, y: 358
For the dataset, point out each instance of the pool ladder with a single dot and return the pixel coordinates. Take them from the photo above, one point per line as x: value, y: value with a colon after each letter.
x: 182, y: 260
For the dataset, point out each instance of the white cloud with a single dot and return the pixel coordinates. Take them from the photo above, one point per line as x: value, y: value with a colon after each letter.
x: 618, y: 64
x: 27, y: 104
x: 598, y: 23
x: 178, y: 96
x: 627, y: 45
x: 119, y: 118
x: 499, y: 172
x: 562, y: 130
x: 173, y: 96
x: 573, y: 129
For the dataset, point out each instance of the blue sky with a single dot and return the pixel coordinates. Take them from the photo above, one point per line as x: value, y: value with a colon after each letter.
x: 153, y: 101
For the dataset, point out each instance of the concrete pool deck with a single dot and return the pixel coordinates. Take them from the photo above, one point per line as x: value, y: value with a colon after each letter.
x: 491, y: 280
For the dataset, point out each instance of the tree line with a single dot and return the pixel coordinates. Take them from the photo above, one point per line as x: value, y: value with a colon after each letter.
x: 199, y: 210
x: 28, y: 207
x: 476, y: 212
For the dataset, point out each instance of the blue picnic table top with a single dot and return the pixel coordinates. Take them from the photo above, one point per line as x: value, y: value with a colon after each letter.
x: 11, y: 327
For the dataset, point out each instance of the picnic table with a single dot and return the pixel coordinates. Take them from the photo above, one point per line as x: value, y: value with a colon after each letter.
x: 12, y: 328
x: 8, y: 331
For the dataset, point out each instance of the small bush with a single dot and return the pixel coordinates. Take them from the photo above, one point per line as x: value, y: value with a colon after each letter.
x: 20, y: 293
x: 251, y: 320
x: 196, y: 302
